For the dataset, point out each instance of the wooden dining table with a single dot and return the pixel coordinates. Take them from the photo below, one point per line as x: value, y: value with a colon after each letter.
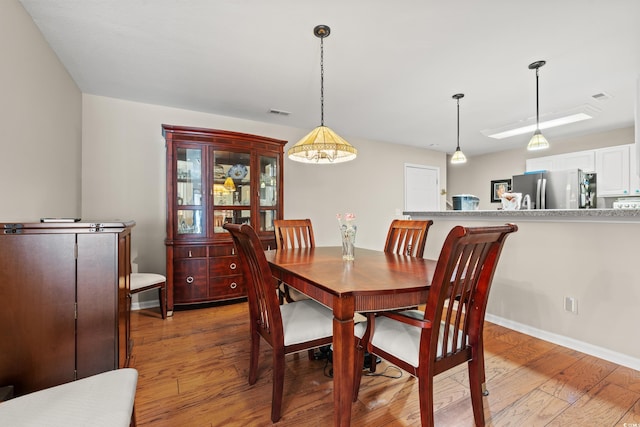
x: 374, y: 281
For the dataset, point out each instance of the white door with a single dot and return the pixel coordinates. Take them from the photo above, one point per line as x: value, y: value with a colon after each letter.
x: 421, y: 192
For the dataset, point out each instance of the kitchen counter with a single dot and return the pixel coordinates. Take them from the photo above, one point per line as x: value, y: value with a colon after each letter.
x: 600, y: 215
x: 588, y: 255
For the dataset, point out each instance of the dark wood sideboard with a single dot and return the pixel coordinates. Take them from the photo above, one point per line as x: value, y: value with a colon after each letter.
x: 65, y: 294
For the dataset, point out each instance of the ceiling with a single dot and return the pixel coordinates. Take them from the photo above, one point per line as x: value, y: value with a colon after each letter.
x: 390, y: 67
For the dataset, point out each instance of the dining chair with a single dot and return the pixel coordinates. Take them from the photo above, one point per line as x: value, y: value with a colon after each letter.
x: 287, y: 328
x: 290, y: 234
x: 407, y: 237
x: 445, y: 335
x: 141, y: 282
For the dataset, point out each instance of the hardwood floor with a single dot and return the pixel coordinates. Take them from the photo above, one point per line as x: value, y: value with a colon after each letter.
x: 193, y: 372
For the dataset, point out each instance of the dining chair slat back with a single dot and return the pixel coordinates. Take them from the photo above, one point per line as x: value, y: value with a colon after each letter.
x: 293, y: 233
x: 407, y: 237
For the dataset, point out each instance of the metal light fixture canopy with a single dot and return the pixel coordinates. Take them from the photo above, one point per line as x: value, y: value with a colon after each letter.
x: 458, y: 157
x: 538, y: 141
x: 322, y: 145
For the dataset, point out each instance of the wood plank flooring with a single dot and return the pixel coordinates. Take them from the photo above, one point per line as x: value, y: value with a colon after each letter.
x: 193, y: 370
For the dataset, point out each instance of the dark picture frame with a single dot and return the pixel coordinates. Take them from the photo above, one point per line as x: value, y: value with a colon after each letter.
x: 498, y: 187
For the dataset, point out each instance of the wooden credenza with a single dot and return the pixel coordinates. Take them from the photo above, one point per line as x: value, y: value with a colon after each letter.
x: 64, y: 288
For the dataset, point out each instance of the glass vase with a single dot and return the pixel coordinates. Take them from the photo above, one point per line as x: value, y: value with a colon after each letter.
x: 348, y: 241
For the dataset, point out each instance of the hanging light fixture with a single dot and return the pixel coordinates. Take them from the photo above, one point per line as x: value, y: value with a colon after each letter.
x: 538, y: 141
x: 458, y: 157
x: 322, y: 145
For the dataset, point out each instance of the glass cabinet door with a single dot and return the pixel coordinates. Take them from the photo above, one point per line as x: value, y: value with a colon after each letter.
x: 189, y: 191
x: 269, y: 191
x: 231, y: 188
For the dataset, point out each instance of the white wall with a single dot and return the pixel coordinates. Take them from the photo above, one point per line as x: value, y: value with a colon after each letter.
x: 475, y: 176
x: 40, y: 118
x: 123, y: 175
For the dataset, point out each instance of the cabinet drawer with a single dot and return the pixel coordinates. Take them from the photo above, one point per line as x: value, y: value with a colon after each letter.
x: 227, y: 287
x: 190, y: 280
x: 189, y: 251
x: 222, y: 250
x: 225, y: 266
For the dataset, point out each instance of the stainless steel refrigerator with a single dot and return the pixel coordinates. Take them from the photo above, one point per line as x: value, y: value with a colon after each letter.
x: 566, y: 189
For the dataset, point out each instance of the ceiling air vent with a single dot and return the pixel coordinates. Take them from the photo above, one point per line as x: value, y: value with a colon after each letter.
x: 279, y: 112
x: 601, y: 96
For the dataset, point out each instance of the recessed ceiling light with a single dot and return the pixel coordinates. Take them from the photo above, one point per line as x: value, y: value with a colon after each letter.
x: 547, y: 121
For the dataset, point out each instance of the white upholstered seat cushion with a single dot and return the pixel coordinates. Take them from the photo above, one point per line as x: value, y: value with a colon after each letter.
x: 305, y: 320
x: 103, y: 400
x: 402, y: 340
x: 142, y: 280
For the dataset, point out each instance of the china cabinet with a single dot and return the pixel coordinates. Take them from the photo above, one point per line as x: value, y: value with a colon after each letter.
x: 214, y: 177
x: 65, y: 291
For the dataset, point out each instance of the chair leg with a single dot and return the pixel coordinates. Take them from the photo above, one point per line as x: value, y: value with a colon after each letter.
x: 477, y: 388
x: 312, y: 354
x: 253, y: 357
x: 357, y: 368
x: 425, y: 393
x: 278, y: 385
x: 163, y: 300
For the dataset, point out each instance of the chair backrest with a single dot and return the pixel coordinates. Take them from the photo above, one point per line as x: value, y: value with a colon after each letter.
x: 463, y: 276
x: 407, y: 237
x: 293, y: 233
x: 264, y: 307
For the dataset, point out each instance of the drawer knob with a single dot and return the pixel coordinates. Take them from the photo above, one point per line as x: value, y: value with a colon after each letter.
x: 233, y: 266
x: 190, y: 279
x: 233, y: 285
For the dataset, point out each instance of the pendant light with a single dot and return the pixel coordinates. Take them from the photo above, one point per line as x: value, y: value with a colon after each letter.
x: 322, y: 145
x: 538, y: 141
x: 458, y: 157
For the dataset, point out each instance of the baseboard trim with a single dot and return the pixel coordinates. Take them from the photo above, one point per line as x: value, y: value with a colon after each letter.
x: 590, y: 349
x: 144, y: 305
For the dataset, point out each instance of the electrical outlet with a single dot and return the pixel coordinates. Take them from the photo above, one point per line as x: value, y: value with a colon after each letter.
x: 571, y: 305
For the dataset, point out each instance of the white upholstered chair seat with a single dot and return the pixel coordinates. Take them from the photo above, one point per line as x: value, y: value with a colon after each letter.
x: 402, y: 340
x: 140, y: 282
x: 305, y: 320
x: 103, y: 400
x: 144, y: 280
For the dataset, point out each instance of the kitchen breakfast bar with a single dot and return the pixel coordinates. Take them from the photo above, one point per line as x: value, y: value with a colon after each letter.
x: 571, y: 277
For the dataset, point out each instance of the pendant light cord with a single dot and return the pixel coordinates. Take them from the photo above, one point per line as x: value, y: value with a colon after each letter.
x: 458, y: 146
x: 537, y: 103
x: 322, y: 81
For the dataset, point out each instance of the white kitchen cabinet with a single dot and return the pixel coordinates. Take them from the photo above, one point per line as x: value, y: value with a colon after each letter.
x: 612, y: 167
x: 634, y: 179
x: 584, y: 160
x: 540, y: 164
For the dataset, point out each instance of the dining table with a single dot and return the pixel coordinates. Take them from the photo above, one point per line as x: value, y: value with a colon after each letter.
x: 374, y: 281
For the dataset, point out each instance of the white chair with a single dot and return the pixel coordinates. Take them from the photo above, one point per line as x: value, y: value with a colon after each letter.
x: 103, y: 400
x: 141, y: 282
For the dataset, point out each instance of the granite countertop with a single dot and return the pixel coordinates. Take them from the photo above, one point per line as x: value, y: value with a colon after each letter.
x: 539, y: 214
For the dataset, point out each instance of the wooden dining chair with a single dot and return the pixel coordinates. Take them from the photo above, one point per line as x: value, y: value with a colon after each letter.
x: 287, y: 328
x: 407, y: 237
x: 443, y: 336
x: 290, y: 234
